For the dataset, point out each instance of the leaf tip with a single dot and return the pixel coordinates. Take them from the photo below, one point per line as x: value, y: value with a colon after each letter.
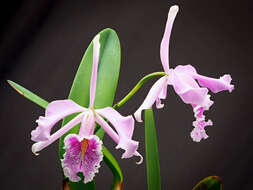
x: 209, y: 183
x: 109, y: 29
x: 217, y: 178
x: 9, y: 82
x: 12, y: 84
x: 118, y: 186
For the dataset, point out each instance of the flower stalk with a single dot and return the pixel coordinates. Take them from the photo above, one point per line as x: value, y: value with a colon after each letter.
x: 137, y: 87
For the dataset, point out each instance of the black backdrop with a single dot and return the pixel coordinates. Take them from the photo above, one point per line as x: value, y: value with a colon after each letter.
x: 42, y: 43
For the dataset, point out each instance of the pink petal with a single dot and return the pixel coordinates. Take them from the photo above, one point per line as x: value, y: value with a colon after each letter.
x: 74, y: 162
x: 107, y: 128
x: 188, y: 90
x: 93, y: 80
x: 164, y: 48
x: 55, y: 111
x: 123, y: 140
x: 130, y: 146
x: 162, y: 95
x: 186, y: 69
x: 123, y: 125
x: 36, y: 147
x: 216, y: 85
x: 157, y: 91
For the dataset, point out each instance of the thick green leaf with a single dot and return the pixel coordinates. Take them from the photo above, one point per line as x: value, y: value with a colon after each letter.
x: 152, y: 155
x: 28, y: 94
x: 209, y: 183
x: 108, y: 73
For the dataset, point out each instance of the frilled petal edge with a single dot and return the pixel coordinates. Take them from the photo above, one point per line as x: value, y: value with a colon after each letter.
x: 198, y: 133
x: 123, y: 125
x: 123, y: 141
x: 38, y: 146
x: 82, y: 155
x: 215, y: 85
x: 188, y: 89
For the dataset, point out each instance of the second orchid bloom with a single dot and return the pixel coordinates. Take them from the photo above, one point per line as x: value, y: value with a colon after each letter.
x: 183, y: 79
x: 84, y: 150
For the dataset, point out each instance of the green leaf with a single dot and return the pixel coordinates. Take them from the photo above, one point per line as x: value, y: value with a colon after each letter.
x: 28, y: 94
x: 152, y: 155
x: 115, y: 168
x: 107, y: 79
x: 209, y: 183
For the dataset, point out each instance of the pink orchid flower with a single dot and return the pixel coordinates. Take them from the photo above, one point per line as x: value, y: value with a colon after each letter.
x: 84, y: 150
x: 183, y: 79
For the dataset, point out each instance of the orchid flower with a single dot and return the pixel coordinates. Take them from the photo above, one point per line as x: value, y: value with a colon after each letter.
x: 183, y: 79
x: 84, y: 150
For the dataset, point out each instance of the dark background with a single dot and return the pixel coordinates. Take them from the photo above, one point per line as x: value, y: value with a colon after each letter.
x: 42, y: 43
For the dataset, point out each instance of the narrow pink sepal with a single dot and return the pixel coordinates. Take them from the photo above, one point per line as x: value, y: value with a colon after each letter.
x: 164, y: 48
x: 156, y: 92
x: 73, y: 162
x: 55, y: 111
x: 162, y: 95
x: 130, y: 146
x: 216, y: 85
x: 107, y: 128
x: 124, y: 142
x: 38, y: 146
x: 93, y: 80
x: 123, y: 125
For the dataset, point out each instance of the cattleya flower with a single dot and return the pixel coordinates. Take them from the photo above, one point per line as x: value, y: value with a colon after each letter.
x: 183, y: 79
x: 84, y: 150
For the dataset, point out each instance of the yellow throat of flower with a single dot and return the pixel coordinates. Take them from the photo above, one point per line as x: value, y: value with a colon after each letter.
x: 84, y: 147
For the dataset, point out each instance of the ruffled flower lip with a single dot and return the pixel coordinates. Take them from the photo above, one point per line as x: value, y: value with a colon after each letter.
x: 82, y: 155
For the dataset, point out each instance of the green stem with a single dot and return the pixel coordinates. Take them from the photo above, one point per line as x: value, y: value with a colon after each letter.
x: 137, y: 87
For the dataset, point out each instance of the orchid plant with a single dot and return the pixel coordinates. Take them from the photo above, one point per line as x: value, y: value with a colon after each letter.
x: 84, y: 151
x: 86, y: 116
